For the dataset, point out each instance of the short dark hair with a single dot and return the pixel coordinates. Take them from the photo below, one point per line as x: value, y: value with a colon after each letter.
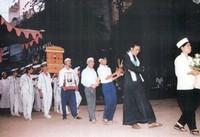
x: 134, y: 45
x: 28, y: 68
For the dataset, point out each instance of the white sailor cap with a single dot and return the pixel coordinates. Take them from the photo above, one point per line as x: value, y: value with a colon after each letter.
x: 13, y: 70
x: 36, y: 66
x: 3, y: 73
x: 44, y: 63
x: 22, y: 68
x: 29, y: 65
x: 100, y: 60
x: 67, y: 59
x: 90, y: 59
x: 182, y: 42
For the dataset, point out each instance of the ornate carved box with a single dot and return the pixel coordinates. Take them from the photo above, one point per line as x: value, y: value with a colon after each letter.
x: 54, y: 57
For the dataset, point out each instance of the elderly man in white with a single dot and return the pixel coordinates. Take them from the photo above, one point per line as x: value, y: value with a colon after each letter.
x: 45, y: 89
x: 90, y: 81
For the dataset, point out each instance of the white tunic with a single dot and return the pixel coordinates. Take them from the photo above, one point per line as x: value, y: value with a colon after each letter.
x: 182, y: 67
x: 44, y: 82
x: 4, y: 90
x: 26, y: 85
x: 14, y: 86
x: 103, y: 72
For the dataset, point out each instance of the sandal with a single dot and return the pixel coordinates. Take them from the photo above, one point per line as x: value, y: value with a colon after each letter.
x: 194, y: 132
x: 105, y: 121
x: 179, y: 127
x: 110, y: 122
x: 155, y: 124
x: 136, y: 126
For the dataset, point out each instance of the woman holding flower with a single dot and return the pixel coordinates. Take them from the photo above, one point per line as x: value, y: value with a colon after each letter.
x: 185, y: 88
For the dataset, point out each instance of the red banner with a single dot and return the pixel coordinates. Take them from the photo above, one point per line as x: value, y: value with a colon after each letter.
x: 36, y: 35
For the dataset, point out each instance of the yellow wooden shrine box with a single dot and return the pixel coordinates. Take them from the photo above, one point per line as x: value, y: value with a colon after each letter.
x: 54, y: 57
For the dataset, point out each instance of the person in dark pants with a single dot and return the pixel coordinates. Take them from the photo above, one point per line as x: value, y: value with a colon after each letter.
x: 68, y: 85
x: 136, y: 106
x: 109, y: 89
x: 185, y: 88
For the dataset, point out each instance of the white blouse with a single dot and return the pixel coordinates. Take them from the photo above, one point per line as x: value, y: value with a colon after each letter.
x: 182, y: 67
x: 103, y: 72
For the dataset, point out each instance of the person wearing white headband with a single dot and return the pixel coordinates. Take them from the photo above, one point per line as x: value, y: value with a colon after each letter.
x: 109, y: 89
x: 185, y: 88
x: 68, y: 86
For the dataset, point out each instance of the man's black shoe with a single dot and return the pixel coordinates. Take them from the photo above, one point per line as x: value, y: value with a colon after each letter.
x: 64, y: 117
x: 78, y: 117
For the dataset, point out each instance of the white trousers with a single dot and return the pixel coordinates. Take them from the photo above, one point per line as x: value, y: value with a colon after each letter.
x: 27, y: 104
x: 37, y: 105
x: 47, y: 99
x: 14, y: 104
x: 57, y: 102
x: 20, y: 99
x: 78, y: 98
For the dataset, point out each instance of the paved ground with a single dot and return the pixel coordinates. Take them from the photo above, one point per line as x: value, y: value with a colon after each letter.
x: 167, y: 112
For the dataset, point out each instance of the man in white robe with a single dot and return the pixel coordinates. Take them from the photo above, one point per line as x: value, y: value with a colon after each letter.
x: 4, y: 90
x: 14, y: 93
x: 26, y: 85
x: 45, y: 88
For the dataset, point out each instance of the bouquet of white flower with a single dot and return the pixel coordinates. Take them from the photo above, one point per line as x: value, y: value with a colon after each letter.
x: 195, y: 64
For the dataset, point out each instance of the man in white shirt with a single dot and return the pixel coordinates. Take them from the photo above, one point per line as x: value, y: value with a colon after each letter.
x: 37, y: 100
x: 4, y: 91
x: 26, y: 85
x: 45, y: 89
x: 14, y: 92
x: 90, y: 82
x: 108, y: 88
x: 68, y: 85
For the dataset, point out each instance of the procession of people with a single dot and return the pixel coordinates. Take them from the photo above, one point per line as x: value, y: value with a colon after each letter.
x: 33, y: 88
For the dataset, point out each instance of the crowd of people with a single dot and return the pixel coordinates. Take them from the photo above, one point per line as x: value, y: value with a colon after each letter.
x: 32, y: 88
x: 23, y: 91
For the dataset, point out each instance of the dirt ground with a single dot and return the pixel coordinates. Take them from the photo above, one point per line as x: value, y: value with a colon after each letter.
x: 167, y: 112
